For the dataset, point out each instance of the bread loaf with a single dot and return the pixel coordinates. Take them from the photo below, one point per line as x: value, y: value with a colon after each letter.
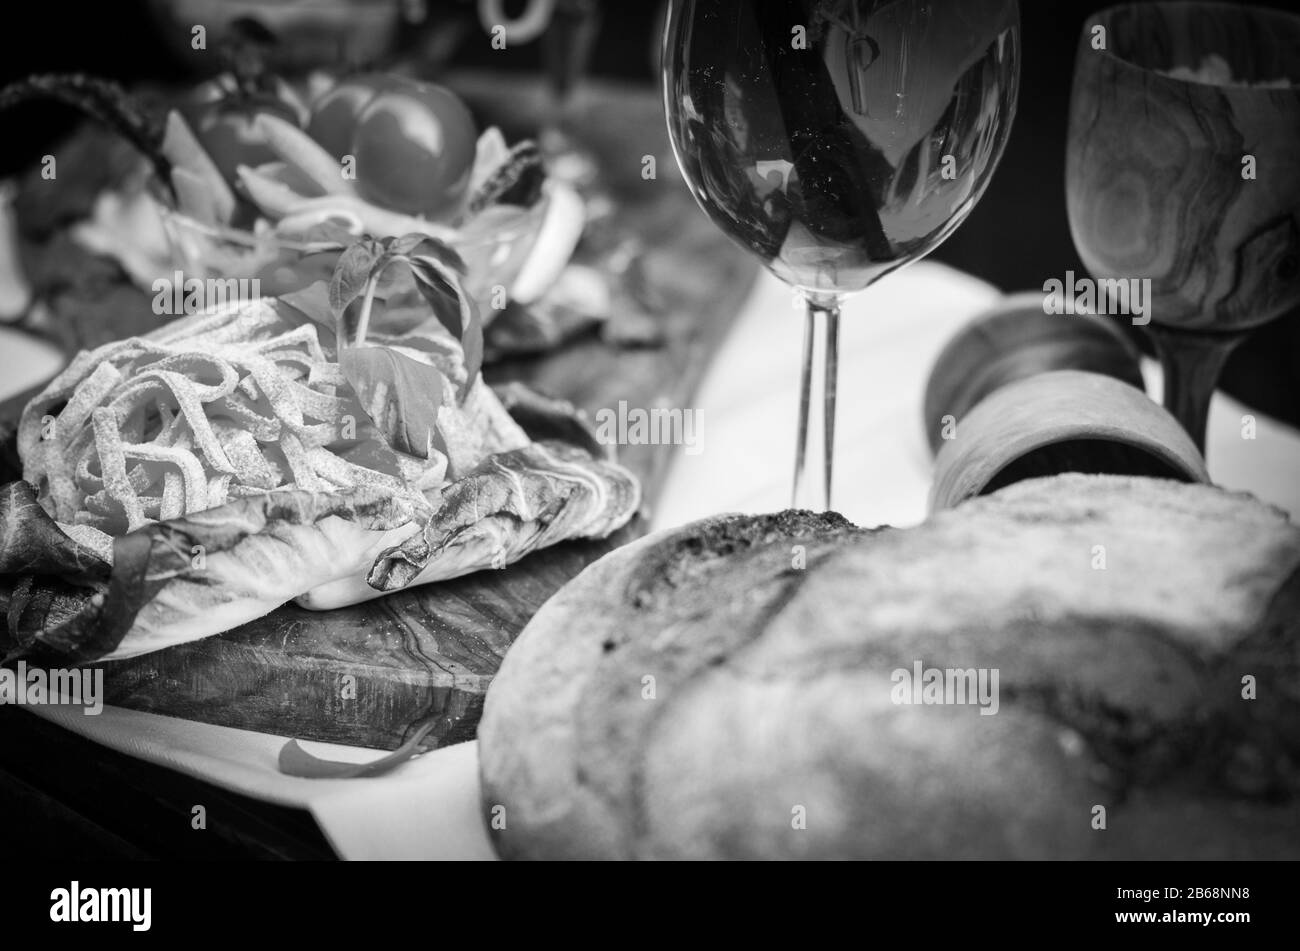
x: 733, y: 689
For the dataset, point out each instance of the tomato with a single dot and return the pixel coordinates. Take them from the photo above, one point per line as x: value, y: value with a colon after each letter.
x: 225, y: 129
x: 414, y: 142
x: 334, y: 115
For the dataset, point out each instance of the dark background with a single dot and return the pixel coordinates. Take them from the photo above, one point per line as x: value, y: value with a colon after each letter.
x: 1017, y: 237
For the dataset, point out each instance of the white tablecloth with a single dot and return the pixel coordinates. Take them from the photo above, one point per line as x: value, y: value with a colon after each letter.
x: 428, y: 807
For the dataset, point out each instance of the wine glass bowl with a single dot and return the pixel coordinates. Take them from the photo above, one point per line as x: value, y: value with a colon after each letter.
x: 1183, y: 168
x: 839, y: 162
x: 837, y: 140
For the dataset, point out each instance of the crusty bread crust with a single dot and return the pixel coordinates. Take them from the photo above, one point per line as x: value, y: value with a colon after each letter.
x: 697, y: 694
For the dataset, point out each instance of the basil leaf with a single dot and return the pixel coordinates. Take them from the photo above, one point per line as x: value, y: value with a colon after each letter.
x: 454, y: 309
x: 472, y: 343
x: 422, y: 245
x: 313, y: 302
x: 441, y: 294
x: 352, y: 273
x: 400, y: 395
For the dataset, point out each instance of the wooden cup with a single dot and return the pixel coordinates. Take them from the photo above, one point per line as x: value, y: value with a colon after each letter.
x: 1015, y: 339
x: 1183, y: 169
x: 1061, y: 421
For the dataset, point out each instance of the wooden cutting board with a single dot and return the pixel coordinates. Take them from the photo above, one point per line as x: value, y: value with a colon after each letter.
x: 365, y: 675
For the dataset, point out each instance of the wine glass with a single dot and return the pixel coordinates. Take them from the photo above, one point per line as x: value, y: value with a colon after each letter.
x: 1183, y: 168
x: 838, y: 140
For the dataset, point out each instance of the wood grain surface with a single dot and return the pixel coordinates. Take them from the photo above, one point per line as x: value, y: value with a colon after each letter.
x: 1061, y: 421
x: 1190, y: 181
x: 1012, y: 340
x: 1156, y: 181
x: 430, y: 652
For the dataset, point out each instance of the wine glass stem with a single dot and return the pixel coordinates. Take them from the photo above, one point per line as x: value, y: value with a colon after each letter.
x: 812, y: 480
x: 1192, y: 363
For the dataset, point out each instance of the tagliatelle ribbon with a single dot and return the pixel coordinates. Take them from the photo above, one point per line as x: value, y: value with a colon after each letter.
x: 211, y: 408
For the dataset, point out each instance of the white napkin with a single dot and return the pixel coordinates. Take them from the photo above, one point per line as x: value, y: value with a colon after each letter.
x: 889, y: 337
x: 425, y: 809
x: 428, y: 808
x: 1267, y: 466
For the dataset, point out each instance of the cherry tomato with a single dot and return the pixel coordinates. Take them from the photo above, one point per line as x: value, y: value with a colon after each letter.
x: 414, y: 144
x: 334, y: 115
x: 225, y: 129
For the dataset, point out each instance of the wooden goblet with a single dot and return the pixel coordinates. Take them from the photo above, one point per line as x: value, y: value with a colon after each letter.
x: 1191, y: 180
